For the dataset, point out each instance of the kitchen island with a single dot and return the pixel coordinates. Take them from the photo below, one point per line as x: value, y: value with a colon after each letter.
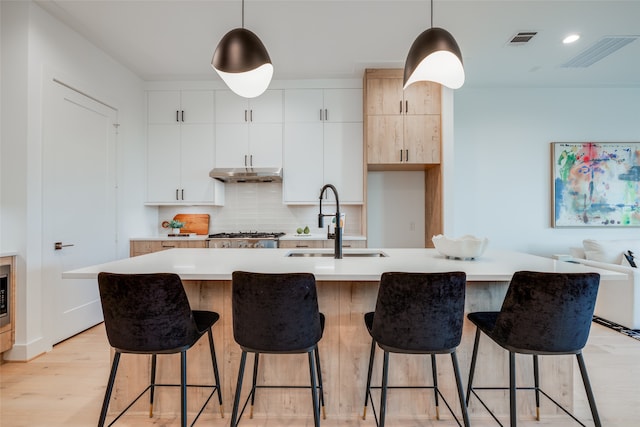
x: 347, y: 288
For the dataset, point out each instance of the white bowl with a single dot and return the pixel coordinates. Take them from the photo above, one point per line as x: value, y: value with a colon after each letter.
x: 465, y: 247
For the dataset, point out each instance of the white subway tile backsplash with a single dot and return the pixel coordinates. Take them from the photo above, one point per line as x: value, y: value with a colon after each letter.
x: 259, y: 207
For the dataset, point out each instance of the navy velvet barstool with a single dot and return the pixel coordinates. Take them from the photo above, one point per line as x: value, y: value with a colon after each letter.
x: 417, y: 313
x: 150, y: 314
x: 542, y: 314
x: 276, y: 313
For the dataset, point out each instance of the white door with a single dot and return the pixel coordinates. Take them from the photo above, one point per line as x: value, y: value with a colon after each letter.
x: 79, y: 205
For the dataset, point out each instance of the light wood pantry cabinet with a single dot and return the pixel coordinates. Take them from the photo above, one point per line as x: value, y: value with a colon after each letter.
x: 323, y: 144
x: 142, y: 247
x: 180, y: 148
x: 248, y: 131
x: 401, y: 126
x: 402, y: 132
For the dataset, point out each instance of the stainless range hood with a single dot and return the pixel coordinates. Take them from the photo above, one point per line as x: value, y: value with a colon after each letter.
x: 247, y: 174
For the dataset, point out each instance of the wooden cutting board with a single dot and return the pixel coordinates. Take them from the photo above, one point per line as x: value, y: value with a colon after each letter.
x: 194, y: 223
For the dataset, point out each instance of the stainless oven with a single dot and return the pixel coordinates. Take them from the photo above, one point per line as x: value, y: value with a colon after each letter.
x: 244, y: 239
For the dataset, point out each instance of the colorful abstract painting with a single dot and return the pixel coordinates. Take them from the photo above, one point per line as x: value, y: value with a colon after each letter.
x: 596, y: 184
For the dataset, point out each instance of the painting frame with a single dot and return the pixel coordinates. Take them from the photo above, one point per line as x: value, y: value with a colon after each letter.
x: 595, y: 184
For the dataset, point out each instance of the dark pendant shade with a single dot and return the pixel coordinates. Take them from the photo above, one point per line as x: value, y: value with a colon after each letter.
x: 434, y: 56
x: 243, y: 63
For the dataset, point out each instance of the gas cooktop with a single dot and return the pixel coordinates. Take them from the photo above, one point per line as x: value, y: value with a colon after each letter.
x: 247, y: 235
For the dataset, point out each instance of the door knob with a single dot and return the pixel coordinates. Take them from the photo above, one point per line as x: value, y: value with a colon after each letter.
x: 58, y: 246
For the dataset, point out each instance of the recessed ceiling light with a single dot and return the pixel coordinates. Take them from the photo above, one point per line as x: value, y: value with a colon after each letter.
x: 571, y: 38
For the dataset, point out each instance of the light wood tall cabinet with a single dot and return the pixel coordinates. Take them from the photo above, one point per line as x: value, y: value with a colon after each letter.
x: 402, y: 132
x: 402, y: 126
x: 180, y: 148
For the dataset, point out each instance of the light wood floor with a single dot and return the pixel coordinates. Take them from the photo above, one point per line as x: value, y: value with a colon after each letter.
x: 66, y: 386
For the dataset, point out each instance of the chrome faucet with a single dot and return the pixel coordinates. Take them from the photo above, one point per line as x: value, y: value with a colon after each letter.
x: 338, y: 236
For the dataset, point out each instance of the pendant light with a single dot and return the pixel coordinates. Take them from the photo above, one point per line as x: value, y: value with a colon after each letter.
x: 434, y: 56
x: 242, y: 61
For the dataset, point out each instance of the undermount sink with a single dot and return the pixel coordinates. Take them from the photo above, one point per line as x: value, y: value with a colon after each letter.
x: 345, y: 254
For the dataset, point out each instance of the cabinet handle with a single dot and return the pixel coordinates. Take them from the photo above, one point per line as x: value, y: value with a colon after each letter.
x: 182, y: 192
x: 406, y: 107
x: 58, y: 246
x: 245, y: 115
x: 183, y: 115
x: 400, y: 106
x: 406, y: 157
x: 245, y: 160
x: 326, y: 115
x: 251, y: 160
x: 302, y: 246
x: 400, y: 155
x: 177, y: 116
x: 250, y: 115
x: 177, y: 194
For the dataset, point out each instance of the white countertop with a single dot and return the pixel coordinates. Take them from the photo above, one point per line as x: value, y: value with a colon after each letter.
x: 218, y: 264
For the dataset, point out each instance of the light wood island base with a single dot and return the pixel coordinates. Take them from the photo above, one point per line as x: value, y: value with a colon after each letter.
x: 344, y: 351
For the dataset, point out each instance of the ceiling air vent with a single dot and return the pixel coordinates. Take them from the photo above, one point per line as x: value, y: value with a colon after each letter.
x: 522, y: 37
x: 599, y: 50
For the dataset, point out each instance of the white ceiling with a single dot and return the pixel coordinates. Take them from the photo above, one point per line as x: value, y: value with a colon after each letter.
x: 307, y: 39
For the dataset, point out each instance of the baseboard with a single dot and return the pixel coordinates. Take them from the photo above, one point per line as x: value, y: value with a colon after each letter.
x: 26, y: 352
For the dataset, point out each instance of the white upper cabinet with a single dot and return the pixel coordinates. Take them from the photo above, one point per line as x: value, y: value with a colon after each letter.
x: 324, y: 105
x: 180, y: 149
x: 248, y: 131
x: 323, y: 144
x: 188, y: 106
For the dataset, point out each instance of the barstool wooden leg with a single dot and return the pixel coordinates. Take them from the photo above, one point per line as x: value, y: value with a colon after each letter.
x: 434, y: 372
x: 236, y: 402
x: 107, y: 393
x: 587, y: 388
x: 367, y: 392
x: 216, y: 374
x: 463, y: 406
x: 152, y: 386
x: 314, y: 390
x: 513, y: 413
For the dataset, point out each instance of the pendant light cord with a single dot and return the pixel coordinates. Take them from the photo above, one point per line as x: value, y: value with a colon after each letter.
x: 243, y: 14
x: 431, y: 13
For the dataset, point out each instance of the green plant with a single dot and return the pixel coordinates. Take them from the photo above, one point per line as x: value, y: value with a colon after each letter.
x: 176, y: 224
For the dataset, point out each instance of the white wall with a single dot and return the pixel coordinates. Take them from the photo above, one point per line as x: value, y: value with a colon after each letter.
x: 35, y: 47
x: 502, y: 159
